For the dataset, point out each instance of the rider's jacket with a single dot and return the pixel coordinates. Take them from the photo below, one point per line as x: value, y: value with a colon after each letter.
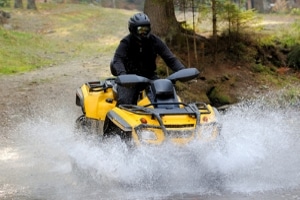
x: 138, y: 57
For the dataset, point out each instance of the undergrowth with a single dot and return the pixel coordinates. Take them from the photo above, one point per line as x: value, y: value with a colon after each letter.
x: 58, y: 33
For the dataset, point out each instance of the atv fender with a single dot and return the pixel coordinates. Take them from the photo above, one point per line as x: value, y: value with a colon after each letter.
x: 115, y: 118
x: 80, y: 99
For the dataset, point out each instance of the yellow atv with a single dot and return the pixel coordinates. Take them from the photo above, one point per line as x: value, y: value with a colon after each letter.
x: 159, y: 116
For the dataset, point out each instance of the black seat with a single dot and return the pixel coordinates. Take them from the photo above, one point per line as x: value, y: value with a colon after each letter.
x: 164, y: 94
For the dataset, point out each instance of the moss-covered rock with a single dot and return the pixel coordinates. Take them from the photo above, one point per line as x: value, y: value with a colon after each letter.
x: 219, y: 96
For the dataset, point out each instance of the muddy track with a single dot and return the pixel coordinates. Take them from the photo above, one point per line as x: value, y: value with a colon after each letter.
x: 34, y: 93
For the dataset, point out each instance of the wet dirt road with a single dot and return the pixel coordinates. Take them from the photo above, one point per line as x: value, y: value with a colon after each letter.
x: 42, y: 158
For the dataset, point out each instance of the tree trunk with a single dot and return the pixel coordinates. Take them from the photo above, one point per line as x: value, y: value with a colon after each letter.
x: 31, y: 4
x: 214, y: 17
x: 258, y: 5
x: 18, y: 4
x: 249, y: 4
x: 162, y: 16
x: 214, y: 24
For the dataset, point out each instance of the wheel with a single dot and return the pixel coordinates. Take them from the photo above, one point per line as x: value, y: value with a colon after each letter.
x: 88, y: 129
x: 110, y: 130
x: 88, y: 126
x: 83, y: 125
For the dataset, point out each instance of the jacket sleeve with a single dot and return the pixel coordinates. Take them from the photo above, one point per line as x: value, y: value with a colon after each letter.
x: 169, y: 58
x: 117, y: 65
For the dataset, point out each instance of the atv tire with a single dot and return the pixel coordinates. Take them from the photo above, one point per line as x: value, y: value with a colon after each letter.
x: 83, y: 125
x: 110, y: 130
x: 88, y: 126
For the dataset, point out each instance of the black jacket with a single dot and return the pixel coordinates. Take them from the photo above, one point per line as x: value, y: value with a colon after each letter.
x: 139, y: 57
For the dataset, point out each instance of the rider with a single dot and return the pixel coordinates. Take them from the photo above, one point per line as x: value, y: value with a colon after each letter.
x: 136, y: 54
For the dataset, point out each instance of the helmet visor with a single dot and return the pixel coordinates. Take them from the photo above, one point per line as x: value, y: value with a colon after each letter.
x: 143, y: 30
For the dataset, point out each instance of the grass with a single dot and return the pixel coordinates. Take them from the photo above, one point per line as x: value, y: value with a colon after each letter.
x: 57, y: 33
x: 280, y: 27
x: 22, y: 51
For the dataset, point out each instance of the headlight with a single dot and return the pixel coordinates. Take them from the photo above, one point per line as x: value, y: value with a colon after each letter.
x: 145, y: 134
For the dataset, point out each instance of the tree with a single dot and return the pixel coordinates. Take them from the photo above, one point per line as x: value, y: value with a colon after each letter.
x: 163, y: 19
x: 249, y: 4
x: 30, y: 4
x: 165, y: 25
x: 258, y: 5
x: 18, y: 4
x: 4, y: 16
x: 214, y: 22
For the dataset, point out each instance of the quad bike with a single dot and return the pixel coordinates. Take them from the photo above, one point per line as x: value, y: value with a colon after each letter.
x: 159, y: 116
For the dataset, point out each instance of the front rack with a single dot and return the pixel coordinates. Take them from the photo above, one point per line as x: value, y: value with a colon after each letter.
x: 157, y: 113
x: 202, y: 107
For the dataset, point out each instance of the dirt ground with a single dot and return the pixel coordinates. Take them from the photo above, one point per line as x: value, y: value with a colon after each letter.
x: 27, y: 95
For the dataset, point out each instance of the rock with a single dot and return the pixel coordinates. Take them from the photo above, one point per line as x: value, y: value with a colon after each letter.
x: 4, y: 16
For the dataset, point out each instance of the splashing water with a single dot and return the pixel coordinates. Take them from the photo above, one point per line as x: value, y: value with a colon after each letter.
x: 43, y: 158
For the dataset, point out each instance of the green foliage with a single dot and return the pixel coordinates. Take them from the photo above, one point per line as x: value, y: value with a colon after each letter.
x: 295, y: 11
x: 290, y: 36
x: 258, y: 68
x: 232, y: 18
x: 220, y: 96
x: 292, y: 96
x: 4, y: 3
x: 229, y: 13
x: 286, y: 35
x: 264, y: 40
x: 236, y: 18
x: 293, y: 58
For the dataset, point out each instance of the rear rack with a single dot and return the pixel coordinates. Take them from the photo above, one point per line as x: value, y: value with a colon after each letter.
x: 97, y: 86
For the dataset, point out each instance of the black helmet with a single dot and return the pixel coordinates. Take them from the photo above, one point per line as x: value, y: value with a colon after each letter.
x: 139, y: 25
